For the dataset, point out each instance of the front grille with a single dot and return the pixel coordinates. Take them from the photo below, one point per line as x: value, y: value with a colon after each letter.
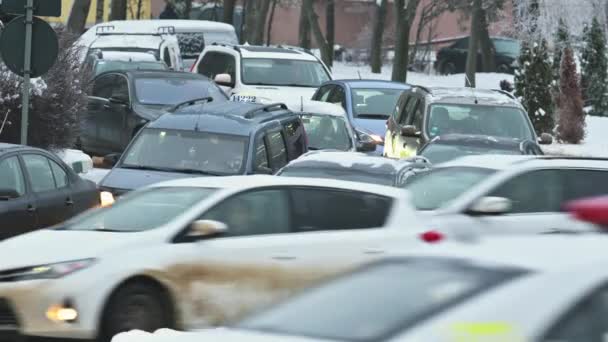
x: 9, y: 324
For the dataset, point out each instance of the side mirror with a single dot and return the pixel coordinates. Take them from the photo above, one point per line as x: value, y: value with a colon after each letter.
x: 111, y: 159
x: 545, y: 139
x: 8, y: 194
x: 224, y: 80
x: 410, y: 131
x: 487, y: 206
x: 207, y: 228
x: 365, y: 146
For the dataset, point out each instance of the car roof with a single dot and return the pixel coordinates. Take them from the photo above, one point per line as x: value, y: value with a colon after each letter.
x: 5, y: 147
x: 159, y: 74
x: 541, y: 253
x: 229, y: 117
x: 139, y: 41
x: 502, y: 162
x: 465, y: 95
x: 128, y: 56
x: 350, y: 160
x: 318, y: 107
x: 370, y: 83
x: 478, y: 141
x: 180, y: 25
x: 257, y: 181
x: 259, y: 51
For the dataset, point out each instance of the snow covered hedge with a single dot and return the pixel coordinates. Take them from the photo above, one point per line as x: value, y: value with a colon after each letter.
x: 57, y: 99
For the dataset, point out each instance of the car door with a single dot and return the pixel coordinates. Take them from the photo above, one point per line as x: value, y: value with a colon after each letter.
x: 17, y: 215
x: 392, y: 125
x: 407, y: 146
x: 97, y: 104
x: 54, y: 203
x: 114, y: 134
x: 293, y: 130
x: 277, y: 149
x: 261, y: 165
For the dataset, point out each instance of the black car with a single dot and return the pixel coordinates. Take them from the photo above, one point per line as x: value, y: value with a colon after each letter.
x: 451, y: 146
x: 209, y: 139
x: 38, y: 190
x: 453, y: 59
x: 122, y: 102
x: 355, y: 167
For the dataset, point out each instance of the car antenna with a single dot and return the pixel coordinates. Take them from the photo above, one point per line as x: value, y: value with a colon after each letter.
x: 359, y: 72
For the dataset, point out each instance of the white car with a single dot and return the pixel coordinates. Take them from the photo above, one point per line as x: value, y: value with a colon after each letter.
x: 507, y: 194
x: 515, y: 289
x: 194, y: 253
x: 263, y: 74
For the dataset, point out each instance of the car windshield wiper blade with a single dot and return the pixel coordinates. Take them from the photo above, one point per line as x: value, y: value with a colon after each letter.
x: 373, y: 116
x: 148, y: 168
x: 197, y: 171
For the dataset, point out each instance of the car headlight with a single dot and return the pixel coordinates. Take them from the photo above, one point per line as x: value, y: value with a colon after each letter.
x: 106, y: 199
x: 50, y: 271
x: 369, y: 137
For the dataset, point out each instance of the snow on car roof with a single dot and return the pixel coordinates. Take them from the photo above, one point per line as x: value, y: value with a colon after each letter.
x: 348, y: 159
x: 180, y: 25
x: 254, y: 181
x: 483, y: 96
x: 316, y: 107
x: 128, y: 56
x: 488, y: 161
x: 143, y: 41
x: 249, y: 51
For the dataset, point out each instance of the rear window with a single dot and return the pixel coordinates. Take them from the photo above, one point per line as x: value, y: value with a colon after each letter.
x: 379, y: 300
x: 347, y: 174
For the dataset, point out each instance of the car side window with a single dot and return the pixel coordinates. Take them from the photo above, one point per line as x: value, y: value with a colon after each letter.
x: 215, y: 63
x: 40, y: 173
x: 121, y: 88
x: 167, y: 57
x: 61, y: 177
x: 261, y: 156
x: 11, y: 175
x: 323, y: 93
x: 400, y: 108
x: 277, y: 150
x: 103, y: 86
x: 415, y: 117
x: 533, y: 192
x: 585, y: 183
x: 295, y: 136
x: 328, y: 209
x: 253, y: 213
x: 338, y: 96
x: 407, y: 115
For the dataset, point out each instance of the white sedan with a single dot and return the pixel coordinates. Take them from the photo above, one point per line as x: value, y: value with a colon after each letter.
x: 194, y: 253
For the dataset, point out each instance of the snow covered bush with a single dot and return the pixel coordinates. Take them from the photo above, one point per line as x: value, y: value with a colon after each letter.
x: 56, y: 100
x: 594, y: 65
x: 533, y: 85
x: 571, y: 118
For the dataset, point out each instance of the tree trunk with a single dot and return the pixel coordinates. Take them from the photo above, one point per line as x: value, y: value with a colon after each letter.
x: 313, y: 20
x: 250, y: 20
x: 376, y: 48
x: 270, y: 20
x: 471, y: 66
x: 488, y: 50
x: 118, y: 10
x: 78, y: 16
x: 260, y: 21
x: 187, y: 9
x: 229, y: 11
x: 304, y: 30
x: 404, y: 13
x: 330, y: 29
x: 99, y: 11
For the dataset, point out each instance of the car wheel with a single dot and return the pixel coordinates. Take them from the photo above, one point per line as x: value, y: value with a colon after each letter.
x: 503, y: 69
x: 448, y: 68
x: 138, y: 306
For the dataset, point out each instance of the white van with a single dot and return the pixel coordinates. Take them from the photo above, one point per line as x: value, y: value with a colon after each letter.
x: 192, y: 35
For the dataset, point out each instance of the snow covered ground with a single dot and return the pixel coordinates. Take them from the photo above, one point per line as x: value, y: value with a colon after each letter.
x: 594, y: 145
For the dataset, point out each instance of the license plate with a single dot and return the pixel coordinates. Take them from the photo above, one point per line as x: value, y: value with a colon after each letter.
x: 244, y: 98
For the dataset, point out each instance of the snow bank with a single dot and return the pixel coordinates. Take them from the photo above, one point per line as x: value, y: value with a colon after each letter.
x: 165, y: 335
x: 594, y: 145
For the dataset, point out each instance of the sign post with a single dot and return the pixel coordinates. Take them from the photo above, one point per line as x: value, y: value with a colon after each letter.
x: 27, y: 59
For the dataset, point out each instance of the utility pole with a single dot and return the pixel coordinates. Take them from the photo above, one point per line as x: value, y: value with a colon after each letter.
x: 27, y: 60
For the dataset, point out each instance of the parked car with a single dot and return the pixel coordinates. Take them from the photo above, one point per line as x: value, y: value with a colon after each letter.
x: 425, y: 113
x: 122, y: 102
x: 38, y: 190
x: 368, y: 103
x: 262, y: 74
x: 99, y: 62
x: 453, y: 59
x: 507, y: 194
x: 170, y: 255
x: 451, y: 146
x: 355, y: 167
x: 212, y: 139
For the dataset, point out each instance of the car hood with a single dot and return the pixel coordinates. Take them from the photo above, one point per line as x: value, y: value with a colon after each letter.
x: 128, y: 179
x: 51, y: 246
x: 376, y: 126
x: 291, y: 96
x: 151, y: 112
x: 218, y: 334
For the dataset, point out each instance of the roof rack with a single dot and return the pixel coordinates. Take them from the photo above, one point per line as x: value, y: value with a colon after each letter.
x: 505, y: 93
x: 107, y: 30
x: 190, y: 103
x: 266, y: 108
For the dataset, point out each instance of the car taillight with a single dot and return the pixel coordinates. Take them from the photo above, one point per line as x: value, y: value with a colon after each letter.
x: 432, y: 236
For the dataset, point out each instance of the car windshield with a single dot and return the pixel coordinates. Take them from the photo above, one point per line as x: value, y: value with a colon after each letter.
x: 341, y: 174
x: 172, y: 90
x: 498, y: 121
x: 440, y: 153
x: 283, y: 72
x: 187, y: 151
x: 378, y: 301
x: 326, y: 132
x: 374, y: 103
x: 104, y: 66
x: 507, y: 46
x: 436, y: 188
x: 160, y: 205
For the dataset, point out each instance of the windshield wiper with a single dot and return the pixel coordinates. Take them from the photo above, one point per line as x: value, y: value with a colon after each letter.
x: 197, y: 171
x: 147, y: 168
x: 373, y: 116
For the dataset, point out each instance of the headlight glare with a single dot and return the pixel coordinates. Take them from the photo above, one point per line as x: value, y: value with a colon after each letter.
x: 52, y: 271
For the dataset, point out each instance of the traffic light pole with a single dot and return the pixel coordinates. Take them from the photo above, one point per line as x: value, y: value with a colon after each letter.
x: 27, y: 60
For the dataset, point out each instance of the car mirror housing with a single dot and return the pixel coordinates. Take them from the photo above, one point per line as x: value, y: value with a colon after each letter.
x: 207, y: 228
x: 545, y: 139
x: 410, y: 131
x: 8, y: 194
x: 111, y: 159
x: 366, y: 146
x: 224, y: 80
x: 490, y: 205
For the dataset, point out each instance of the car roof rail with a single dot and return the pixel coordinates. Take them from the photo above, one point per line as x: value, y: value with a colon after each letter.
x: 504, y: 92
x: 190, y: 103
x: 104, y: 28
x: 266, y: 108
x: 166, y: 29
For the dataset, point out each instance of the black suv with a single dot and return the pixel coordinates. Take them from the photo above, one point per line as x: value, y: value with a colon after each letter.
x: 121, y: 102
x: 209, y: 139
x: 453, y: 59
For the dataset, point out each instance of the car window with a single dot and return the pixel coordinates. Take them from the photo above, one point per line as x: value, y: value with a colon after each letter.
x: 328, y: 209
x: 400, y: 108
x: 11, y: 176
x: 585, y: 183
x: 338, y: 97
x: 103, y: 86
x: 215, y: 63
x: 167, y: 57
x: 283, y: 72
x: 277, y: 150
x: 323, y: 94
x: 347, y: 174
x: 417, y: 116
x: 175, y: 90
x: 327, y: 132
x: 533, y: 192
x: 295, y: 136
x: 61, y: 177
x: 407, y: 116
x: 121, y: 87
x: 253, y: 213
x: 261, y: 156
x: 39, y: 170
x: 374, y: 103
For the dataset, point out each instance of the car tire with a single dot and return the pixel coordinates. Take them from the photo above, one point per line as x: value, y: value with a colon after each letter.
x: 448, y: 68
x: 136, y: 305
x: 503, y: 69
